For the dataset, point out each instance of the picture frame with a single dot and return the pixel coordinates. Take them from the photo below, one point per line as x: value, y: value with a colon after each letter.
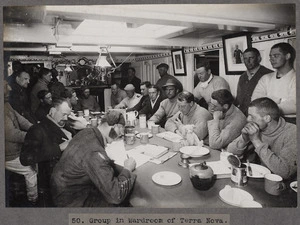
x: 178, y: 60
x: 233, y: 47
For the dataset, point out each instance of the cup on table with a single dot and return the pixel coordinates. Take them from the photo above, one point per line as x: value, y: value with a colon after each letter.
x: 176, y: 146
x: 144, y: 138
x: 94, y: 122
x: 150, y: 123
x: 87, y: 117
x: 155, y: 129
x: 142, y: 121
x: 80, y: 113
x: 129, y: 138
x: 86, y: 112
x: 274, y: 184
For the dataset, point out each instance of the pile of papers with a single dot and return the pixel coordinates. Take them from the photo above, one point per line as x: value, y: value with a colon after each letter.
x: 142, y: 153
x: 170, y: 136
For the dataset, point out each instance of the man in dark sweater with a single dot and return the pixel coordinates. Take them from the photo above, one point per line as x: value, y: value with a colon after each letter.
x: 249, y: 79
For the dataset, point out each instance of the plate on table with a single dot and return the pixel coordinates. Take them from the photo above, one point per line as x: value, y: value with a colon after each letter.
x: 258, y: 171
x: 294, y: 186
x: 194, y: 151
x: 166, y: 178
x: 234, y: 196
x: 138, y: 135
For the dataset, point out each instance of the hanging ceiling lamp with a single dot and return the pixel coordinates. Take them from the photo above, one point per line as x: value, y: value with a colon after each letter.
x: 101, y: 61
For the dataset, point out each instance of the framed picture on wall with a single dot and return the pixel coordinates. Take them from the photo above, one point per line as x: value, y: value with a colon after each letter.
x: 178, y: 60
x: 233, y: 46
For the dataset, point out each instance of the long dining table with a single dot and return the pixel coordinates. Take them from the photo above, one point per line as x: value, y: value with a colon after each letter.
x: 146, y: 193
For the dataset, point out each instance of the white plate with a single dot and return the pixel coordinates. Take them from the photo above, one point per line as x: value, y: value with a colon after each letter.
x: 294, y: 185
x: 166, y: 178
x: 234, y: 196
x: 138, y: 135
x: 250, y: 204
x: 258, y: 171
x: 194, y: 151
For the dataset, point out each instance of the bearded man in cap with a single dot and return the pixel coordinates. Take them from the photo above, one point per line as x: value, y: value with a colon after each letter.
x: 132, y: 98
x: 164, y: 77
x: 169, y: 106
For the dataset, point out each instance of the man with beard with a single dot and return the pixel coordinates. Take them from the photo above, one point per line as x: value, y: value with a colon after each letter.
x: 45, y: 104
x: 18, y: 97
x: 88, y: 101
x: 44, y: 143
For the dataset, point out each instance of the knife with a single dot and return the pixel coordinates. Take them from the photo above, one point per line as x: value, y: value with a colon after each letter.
x: 249, y: 168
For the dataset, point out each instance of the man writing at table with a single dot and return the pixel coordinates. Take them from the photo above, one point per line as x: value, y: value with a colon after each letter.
x: 85, y: 176
x: 189, y: 113
x: 270, y: 136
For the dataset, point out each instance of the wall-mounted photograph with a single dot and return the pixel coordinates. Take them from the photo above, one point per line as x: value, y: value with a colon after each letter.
x: 178, y: 60
x: 234, y: 46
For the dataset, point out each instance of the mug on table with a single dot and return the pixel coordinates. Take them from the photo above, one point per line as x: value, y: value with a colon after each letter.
x: 274, y: 184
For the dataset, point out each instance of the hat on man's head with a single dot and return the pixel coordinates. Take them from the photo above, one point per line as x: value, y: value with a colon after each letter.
x: 170, y: 82
x: 163, y: 65
x: 129, y: 87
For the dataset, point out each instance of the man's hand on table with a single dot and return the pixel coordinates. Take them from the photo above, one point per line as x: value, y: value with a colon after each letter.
x: 130, y: 164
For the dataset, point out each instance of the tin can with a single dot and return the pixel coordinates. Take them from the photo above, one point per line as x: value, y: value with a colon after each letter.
x: 129, y: 130
x: 144, y: 138
x: 129, y: 139
x: 239, y: 175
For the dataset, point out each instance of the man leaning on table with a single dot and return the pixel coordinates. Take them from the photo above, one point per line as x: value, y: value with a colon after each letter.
x: 189, y: 113
x: 270, y: 136
x: 132, y: 98
x: 169, y: 106
x: 85, y: 176
x: 228, y: 120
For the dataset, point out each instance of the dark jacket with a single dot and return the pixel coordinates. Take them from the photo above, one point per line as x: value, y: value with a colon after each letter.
x: 41, y: 146
x: 153, y: 110
x: 86, y: 177
x: 141, y: 105
x: 19, y: 100
x: 42, y: 111
x: 136, y: 82
x: 246, y: 87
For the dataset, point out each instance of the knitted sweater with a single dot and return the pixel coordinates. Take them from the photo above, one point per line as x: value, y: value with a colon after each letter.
x: 216, y: 83
x: 167, y: 108
x: 278, y: 151
x: 15, y: 132
x: 197, y: 116
x: 283, y: 88
x: 222, y: 132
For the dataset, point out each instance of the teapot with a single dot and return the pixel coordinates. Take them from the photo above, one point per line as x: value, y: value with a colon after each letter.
x: 202, y: 176
x: 131, y: 118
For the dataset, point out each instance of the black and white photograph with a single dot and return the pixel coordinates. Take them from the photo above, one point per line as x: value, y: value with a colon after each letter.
x: 178, y: 60
x: 114, y: 108
x: 234, y: 45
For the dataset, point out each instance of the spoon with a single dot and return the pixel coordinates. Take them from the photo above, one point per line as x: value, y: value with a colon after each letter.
x: 234, y: 160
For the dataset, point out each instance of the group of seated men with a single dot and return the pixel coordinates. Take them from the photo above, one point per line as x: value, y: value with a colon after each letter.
x: 74, y: 169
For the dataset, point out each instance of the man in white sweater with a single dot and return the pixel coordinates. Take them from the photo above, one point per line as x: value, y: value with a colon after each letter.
x: 280, y: 86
